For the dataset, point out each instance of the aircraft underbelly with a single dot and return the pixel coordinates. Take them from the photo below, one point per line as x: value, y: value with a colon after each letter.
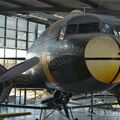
x: 85, y: 86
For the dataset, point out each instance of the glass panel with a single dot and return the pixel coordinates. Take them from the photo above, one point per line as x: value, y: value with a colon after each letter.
x: 10, y: 53
x: 10, y: 43
x: 106, y: 28
x: 1, y: 32
x: 22, y: 25
x: 71, y: 29
x: 116, y: 30
x: 21, y: 35
x: 21, y: 53
x: 1, y: 52
x: 2, y: 20
x: 11, y: 22
x: 9, y: 63
x: 21, y: 44
x: 1, y: 42
x: 88, y: 28
x: 32, y: 27
x: 2, y: 62
x: 10, y: 34
x: 31, y: 37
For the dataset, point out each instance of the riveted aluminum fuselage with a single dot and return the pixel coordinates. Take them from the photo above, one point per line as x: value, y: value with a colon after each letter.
x: 65, y: 64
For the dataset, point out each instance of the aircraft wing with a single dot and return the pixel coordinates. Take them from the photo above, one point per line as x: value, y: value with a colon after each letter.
x: 96, y: 105
x: 19, y: 69
x: 29, y: 81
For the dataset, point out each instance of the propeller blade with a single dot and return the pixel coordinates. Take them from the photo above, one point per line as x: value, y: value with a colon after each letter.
x: 19, y: 69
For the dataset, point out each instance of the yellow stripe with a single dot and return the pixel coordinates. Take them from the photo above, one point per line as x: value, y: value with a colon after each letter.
x: 48, y: 74
x: 46, y: 69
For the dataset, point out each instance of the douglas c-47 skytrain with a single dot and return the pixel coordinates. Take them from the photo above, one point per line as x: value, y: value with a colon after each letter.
x: 77, y: 54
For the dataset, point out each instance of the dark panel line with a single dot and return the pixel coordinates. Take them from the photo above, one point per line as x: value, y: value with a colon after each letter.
x: 115, y: 76
x: 102, y: 58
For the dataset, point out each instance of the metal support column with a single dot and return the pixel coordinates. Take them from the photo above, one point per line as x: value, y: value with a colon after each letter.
x: 41, y: 114
x: 35, y: 94
x: 5, y: 34
x: 15, y: 95
x: 20, y: 97
x: 25, y: 96
x: 92, y: 105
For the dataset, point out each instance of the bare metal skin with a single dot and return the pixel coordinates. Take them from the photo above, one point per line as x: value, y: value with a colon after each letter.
x: 77, y: 54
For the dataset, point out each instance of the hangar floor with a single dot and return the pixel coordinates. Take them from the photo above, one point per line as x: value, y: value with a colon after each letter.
x: 81, y: 113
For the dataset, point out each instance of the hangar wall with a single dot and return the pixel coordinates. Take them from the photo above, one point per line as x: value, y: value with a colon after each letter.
x: 16, y: 36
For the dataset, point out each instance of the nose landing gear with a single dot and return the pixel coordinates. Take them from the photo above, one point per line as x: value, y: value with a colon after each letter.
x: 60, y: 101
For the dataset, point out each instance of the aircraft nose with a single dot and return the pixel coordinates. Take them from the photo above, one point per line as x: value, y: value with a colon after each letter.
x: 103, y: 59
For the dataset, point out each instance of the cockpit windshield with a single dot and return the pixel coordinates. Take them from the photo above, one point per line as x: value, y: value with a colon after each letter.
x: 82, y: 28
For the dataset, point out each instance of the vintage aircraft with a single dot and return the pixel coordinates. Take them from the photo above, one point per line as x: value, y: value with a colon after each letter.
x: 77, y: 54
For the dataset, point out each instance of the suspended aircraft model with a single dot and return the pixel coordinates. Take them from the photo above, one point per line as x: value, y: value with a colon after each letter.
x: 78, y: 54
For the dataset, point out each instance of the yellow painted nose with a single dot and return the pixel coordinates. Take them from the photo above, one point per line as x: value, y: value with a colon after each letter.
x: 103, y: 59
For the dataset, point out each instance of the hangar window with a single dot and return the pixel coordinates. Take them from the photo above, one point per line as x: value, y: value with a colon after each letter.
x: 88, y: 28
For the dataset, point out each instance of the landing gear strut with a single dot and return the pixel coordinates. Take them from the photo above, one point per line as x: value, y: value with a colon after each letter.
x: 59, y: 101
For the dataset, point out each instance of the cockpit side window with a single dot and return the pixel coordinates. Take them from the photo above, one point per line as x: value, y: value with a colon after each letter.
x: 106, y: 28
x: 116, y: 30
x: 62, y: 33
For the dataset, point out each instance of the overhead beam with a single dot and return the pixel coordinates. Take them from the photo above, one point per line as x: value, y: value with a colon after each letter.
x: 17, y: 3
x: 51, y: 9
x: 89, y: 2
x: 27, y: 9
x: 29, y: 19
x: 54, y: 4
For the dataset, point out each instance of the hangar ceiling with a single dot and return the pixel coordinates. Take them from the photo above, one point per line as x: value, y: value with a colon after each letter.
x: 45, y: 11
